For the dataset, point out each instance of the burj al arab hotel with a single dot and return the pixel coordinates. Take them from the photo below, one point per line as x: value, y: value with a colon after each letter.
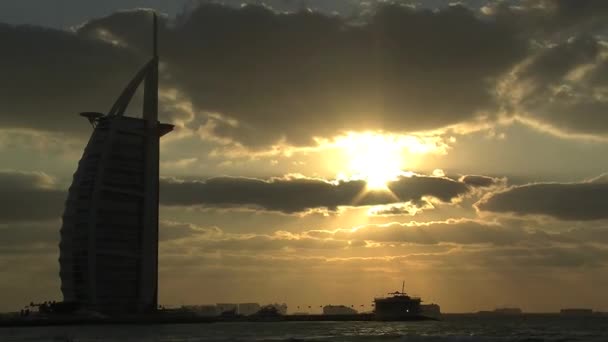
x: 109, y: 236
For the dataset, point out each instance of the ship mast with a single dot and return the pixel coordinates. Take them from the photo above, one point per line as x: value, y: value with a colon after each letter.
x: 150, y: 110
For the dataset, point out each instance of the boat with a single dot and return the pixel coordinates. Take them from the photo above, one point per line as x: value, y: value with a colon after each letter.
x: 399, y: 306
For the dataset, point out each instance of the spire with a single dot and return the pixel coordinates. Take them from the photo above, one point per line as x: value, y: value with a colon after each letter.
x: 150, y: 110
x: 155, y: 36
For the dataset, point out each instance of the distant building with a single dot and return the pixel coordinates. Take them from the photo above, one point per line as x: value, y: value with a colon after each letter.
x: 508, y: 311
x: 576, y: 312
x: 108, y: 254
x: 203, y: 310
x: 247, y: 309
x: 338, y: 310
x: 502, y: 312
x: 431, y: 310
x: 223, y: 308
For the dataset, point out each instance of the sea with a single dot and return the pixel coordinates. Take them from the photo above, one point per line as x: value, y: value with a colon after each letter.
x: 454, y: 328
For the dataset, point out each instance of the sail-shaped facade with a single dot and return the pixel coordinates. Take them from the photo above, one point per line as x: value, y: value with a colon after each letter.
x: 109, y: 236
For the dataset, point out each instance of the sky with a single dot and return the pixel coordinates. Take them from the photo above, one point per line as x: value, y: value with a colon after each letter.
x: 325, y: 151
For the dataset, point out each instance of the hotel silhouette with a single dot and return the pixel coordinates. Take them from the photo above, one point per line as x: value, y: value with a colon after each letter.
x: 109, y: 237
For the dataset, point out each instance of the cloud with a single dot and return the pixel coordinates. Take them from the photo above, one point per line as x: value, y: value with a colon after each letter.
x: 565, y: 201
x: 409, y: 208
x: 49, y: 76
x: 299, y: 194
x: 29, y: 196
x: 456, y: 244
x: 170, y: 230
x: 257, y: 77
x: 294, y: 76
x: 34, y: 196
x: 499, y: 238
x: 460, y: 231
x: 553, y: 18
x: 384, y: 70
x: 479, y: 181
x: 562, y: 88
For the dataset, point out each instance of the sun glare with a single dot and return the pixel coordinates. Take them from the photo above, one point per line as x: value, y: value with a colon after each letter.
x: 375, y: 158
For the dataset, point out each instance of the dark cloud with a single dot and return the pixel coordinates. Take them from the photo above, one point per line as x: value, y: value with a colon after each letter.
x: 562, y: 87
x: 292, y: 195
x: 564, y: 201
x: 393, y: 70
x: 176, y: 230
x: 300, y: 75
x: 293, y: 76
x: 49, y: 76
x: 479, y: 181
x: 560, y: 19
x: 578, y: 12
x: 28, y: 196
x: 395, y: 210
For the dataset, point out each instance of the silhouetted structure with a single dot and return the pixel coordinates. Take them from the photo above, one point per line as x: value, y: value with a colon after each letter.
x: 268, y: 311
x: 202, y: 310
x: 501, y: 312
x: 109, y: 237
x: 576, y: 312
x: 247, y: 309
x: 227, y: 308
x: 399, y: 306
x: 338, y: 310
x: 431, y: 310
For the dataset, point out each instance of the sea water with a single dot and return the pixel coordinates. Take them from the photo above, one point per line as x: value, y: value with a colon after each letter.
x: 454, y: 328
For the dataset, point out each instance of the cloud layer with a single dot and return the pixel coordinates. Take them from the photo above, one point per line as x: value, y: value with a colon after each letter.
x: 294, y: 76
x: 292, y: 195
x: 256, y: 76
x: 29, y: 196
x: 566, y: 201
x: 450, y: 244
x: 49, y: 76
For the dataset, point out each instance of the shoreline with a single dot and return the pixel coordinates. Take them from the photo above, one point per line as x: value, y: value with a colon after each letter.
x: 164, y: 319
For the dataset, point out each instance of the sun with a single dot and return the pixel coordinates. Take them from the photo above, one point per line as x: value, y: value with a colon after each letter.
x: 373, y: 157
